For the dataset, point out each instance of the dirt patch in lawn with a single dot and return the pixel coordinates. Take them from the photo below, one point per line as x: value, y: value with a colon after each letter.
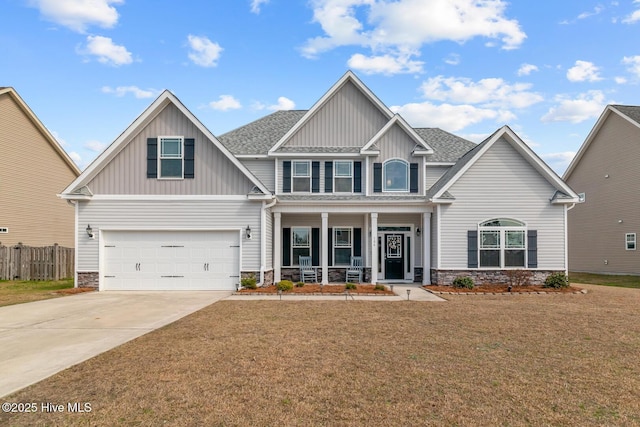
x: 494, y: 361
x: 499, y: 289
x: 313, y: 288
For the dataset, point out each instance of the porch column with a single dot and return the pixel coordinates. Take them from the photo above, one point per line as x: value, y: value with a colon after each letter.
x: 374, y: 247
x: 426, y: 248
x: 367, y: 238
x: 277, y: 246
x: 325, y: 248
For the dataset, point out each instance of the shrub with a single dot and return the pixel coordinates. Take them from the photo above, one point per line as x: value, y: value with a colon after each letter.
x: 299, y: 284
x: 518, y: 277
x: 557, y: 280
x: 285, y: 285
x: 463, y: 282
x: 379, y: 287
x: 249, y: 282
x: 350, y: 286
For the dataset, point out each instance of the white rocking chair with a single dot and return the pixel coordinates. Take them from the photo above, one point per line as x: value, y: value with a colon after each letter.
x: 308, y: 273
x: 354, y: 272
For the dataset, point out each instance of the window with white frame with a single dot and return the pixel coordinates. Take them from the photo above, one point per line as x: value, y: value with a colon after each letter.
x: 343, y: 176
x: 395, y: 175
x: 300, y: 243
x: 170, y: 157
x: 301, y: 176
x: 342, y: 245
x: 630, y: 239
x: 502, y: 243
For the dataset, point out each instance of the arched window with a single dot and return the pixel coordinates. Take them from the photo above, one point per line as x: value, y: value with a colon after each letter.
x: 395, y: 175
x: 502, y: 243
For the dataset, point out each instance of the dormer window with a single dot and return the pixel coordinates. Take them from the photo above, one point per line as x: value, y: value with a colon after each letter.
x: 170, y: 157
x: 395, y: 175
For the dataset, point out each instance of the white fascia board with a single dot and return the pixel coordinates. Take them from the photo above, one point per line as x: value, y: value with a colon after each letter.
x: 440, y: 163
x: 397, y: 119
x: 309, y: 155
x: 252, y: 156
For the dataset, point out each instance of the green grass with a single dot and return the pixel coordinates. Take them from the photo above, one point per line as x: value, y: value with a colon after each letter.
x: 605, y: 280
x: 17, y: 292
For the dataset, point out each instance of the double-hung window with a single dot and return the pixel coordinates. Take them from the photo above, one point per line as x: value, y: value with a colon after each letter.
x: 342, y: 245
x: 301, y: 176
x: 170, y: 157
x: 630, y: 239
x: 502, y: 243
x: 300, y: 243
x: 343, y: 176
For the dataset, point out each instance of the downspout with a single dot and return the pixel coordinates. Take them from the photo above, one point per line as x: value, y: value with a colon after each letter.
x: 75, y: 237
x: 263, y: 237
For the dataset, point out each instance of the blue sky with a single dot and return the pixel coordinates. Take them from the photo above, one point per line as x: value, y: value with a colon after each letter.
x: 88, y: 68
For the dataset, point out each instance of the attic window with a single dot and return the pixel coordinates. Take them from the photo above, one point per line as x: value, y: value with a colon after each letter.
x: 170, y: 157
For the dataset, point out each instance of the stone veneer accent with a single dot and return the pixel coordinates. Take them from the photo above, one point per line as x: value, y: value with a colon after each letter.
x: 336, y: 274
x: 88, y: 279
x: 268, y: 276
x: 483, y: 277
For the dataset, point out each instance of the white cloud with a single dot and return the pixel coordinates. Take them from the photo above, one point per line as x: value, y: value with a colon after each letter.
x: 96, y: 146
x: 449, y: 117
x: 452, y: 59
x: 106, y: 51
x: 526, y: 69
x: 204, y: 52
x: 384, y: 64
x: 121, y: 91
x: 256, y: 4
x: 401, y: 27
x: 283, y: 104
x: 633, y: 17
x: 583, y: 71
x: 559, y: 161
x: 633, y: 63
x: 620, y: 80
x: 79, y: 14
x: 586, y: 106
x: 61, y: 141
x: 596, y: 11
x: 225, y: 103
x: 491, y: 92
x: 75, y: 157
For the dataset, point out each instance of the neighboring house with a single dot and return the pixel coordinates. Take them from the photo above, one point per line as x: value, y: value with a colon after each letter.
x: 33, y: 170
x: 173, y: 207
x: 604, y: 229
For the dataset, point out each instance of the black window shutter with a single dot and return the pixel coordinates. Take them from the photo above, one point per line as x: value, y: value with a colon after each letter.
x: 189, y: 156
x: 315, y: 246
x: 357, y: 242
x: 413, y: 178
x: 315, y: 177
x: 532, y: 249
x: 286, y: 246
x: 286, y: 176
x: 377, y: 177
x: 328, y: 177
x: 330, y: 246
x: 357, y: 177
x: 152, y: 157
x: 472, y: 249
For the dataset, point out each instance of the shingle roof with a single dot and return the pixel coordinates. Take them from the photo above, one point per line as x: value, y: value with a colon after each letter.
x: 631, y: 111
x: 259, y: 136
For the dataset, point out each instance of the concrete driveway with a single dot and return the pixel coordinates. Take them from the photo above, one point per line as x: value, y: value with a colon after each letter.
x: 41, y: 338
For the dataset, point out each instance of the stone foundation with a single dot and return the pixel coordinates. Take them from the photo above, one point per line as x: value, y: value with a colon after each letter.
x: 336, y: 274
x: 88, y: 279
x: 268, y: 276
x: 484, y: 277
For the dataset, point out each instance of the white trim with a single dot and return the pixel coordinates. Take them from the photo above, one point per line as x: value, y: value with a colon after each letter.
x: 566, y: 241
x: 251, y: 156
x: 324, y: 155
x: 364, y: 208
x: 170, y: 197
x: 428, y: 163
x: 439, y: 238
x: 396, y: 119
x: 627, y: 241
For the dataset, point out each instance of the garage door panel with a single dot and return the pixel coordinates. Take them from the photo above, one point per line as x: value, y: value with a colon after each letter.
x: 171, y: 260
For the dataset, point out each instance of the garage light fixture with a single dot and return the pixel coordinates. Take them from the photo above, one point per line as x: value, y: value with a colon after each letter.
x: 89, y: 231
x: 248, y: 232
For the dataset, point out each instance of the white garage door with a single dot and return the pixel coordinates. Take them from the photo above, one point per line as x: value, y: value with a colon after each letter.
x: 171, y: 260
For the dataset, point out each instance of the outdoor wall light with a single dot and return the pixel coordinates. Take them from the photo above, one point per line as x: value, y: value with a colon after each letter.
x: 248, y: 232
x: 418, y: 231
x: 89, y: 231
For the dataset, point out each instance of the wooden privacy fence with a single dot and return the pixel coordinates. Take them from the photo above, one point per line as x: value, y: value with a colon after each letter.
x: 29, y: 263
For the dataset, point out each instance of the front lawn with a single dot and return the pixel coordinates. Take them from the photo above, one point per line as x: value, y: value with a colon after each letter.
x: 605, y: 279
x: 535, y: 360
x: 17, y: 292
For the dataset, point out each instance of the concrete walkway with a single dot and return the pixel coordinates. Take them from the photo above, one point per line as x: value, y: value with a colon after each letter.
x: 41, y: 338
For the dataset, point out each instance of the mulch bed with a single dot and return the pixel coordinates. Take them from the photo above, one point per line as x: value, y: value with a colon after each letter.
x: 500, y: 289
x: 72, y: 291
x: 313, y: 288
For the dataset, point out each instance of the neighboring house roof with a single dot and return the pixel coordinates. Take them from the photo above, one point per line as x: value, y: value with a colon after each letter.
x: 630, y: 113
x: 42, y: 128
x: 74, y: 190
x: 439, y: 191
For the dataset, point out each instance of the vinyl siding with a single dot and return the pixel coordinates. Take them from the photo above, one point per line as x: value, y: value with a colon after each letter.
x: 595, y: 233
x: 347, y: 119
x: 215, y: 174
x: 167, y: 215
x: 434, y: 173
x: 31, y: 174
x: 269, y: 240
x: 263, y: 169
x: 502, y: 184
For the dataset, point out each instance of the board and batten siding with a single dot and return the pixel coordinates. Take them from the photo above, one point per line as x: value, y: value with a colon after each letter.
x: 609, y: 175
x: 215, y: 174
x: 32, y: 173
x: 167, y: 215
x: 263, y: 169
x: 502, y: 184
x: 347, y: 119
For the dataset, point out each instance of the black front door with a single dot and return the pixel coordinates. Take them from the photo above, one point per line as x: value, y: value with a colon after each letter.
x: 394, y: 256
